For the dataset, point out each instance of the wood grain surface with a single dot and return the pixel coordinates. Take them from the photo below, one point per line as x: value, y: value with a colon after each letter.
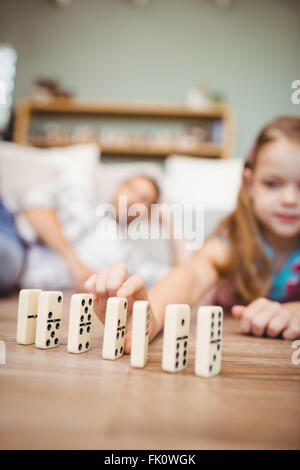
x: 50, y: 399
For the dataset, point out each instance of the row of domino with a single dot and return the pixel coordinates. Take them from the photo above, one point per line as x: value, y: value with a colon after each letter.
x: 208, y: 339
x: 39, y: 318
x: 176, y: 335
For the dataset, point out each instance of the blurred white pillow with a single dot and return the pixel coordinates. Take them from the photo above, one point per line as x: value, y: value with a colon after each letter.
x: 25, y: 171
x: 213, y: 183
x: 61, y: 178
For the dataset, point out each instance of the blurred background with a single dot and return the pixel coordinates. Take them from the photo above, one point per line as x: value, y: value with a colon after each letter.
x: 94, y: 92
x: 245, y: 50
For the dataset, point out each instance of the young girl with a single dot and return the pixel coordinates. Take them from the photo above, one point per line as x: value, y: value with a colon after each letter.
x: 252, y: 260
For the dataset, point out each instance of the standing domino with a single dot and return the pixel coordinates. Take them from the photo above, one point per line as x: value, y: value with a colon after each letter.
x: 27, y: 315
x: 49, y: 320
x: 176, y: 335
x: 114, y: 329
x: 209, y: 341
x: 140, y: 333
x: 80, y: 320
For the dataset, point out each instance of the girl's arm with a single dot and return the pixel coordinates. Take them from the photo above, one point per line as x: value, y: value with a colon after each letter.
x: 179, y: 254
x: 188, y: 283
x: 184, y: 284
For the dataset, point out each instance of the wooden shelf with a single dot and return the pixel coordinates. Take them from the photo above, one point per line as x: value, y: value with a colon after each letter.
x: 29, y: 109
x: 205, y: 149
x: 69, y: 105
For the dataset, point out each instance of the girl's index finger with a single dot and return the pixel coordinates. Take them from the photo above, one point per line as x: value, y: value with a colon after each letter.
x: 133, y: 287
x: 90, y: 284
x: 117, y: 275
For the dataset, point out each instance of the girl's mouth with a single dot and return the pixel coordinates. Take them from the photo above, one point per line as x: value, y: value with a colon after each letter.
x: 287, y: 217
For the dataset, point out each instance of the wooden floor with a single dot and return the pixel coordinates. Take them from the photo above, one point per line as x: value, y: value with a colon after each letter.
x: 52, y: 399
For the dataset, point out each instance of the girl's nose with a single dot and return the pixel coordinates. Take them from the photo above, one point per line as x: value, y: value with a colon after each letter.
x: 290, y: 195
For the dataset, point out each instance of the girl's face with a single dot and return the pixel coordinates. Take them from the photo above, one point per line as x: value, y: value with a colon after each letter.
x: 274, y: 187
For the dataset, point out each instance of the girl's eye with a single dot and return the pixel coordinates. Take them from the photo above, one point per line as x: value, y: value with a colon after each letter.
x: 271, y: 184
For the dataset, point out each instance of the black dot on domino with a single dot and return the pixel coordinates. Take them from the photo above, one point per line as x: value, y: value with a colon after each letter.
x: 81, y: 331
x: 86, y: 310
x: 125, y: 305
x: 52, y: 334
x: 89, y: 317
x: 176, y: 365
x: 83, y: 302
x: 88, y: 329
x: 212, y: 333
x: 50, y: 315
x: 219, y: 314
x: 185, y: 344
x: 177, y: 346
x: 90, y: 301
x: 49, y: 327
x: 59, y: 298
x: 219, y: 332
x: 47, y: 342
x: 184, y: 353
x: 87, y: 344
x: 119, y: 322
x: 116, y: 352
x: 123, y: 334
x: 80, y: 347
x: 212, y: 325
x: 82, y: 318
x: 121, y: 349
x: 213, y: 315
x: 56, y: 341
x: 182, y: 322
x: 215, y: 357
x: 219, y: 324
x: 118, y: 334
x: 57, y: 326
x: 184, y: 362
x: 210, y: 368
x: 218, y: 347
x: 177, y: 355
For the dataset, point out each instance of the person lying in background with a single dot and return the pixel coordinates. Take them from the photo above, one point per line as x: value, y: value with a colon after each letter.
x: 12, y: 252
x: 252, y: 261
x: 64, y: 263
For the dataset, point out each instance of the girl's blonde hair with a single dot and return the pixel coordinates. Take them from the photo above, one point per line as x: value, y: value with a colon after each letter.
x: 249, y: 268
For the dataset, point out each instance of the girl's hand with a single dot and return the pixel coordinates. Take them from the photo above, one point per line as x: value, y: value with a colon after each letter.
x: 114, y: 281
x: 263, y: 316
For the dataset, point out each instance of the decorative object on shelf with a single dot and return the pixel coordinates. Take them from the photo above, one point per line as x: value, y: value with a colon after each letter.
x: 217, y: 97
x: 198, y: 97
x: 45, y: 88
